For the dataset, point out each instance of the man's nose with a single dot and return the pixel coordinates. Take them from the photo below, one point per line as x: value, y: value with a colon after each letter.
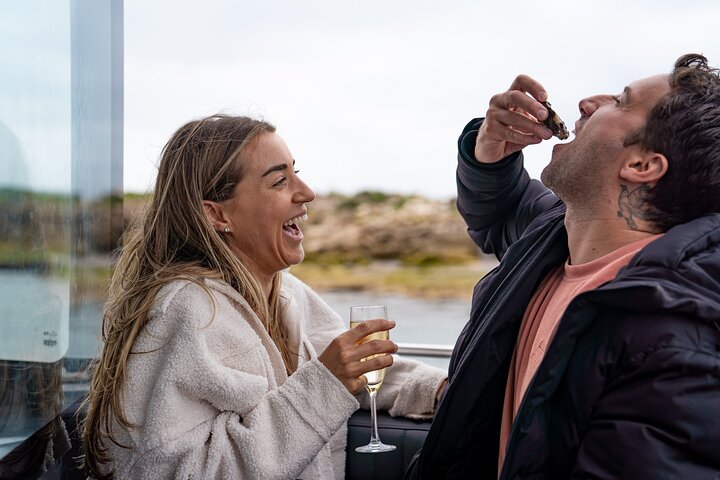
x: 589, y: 105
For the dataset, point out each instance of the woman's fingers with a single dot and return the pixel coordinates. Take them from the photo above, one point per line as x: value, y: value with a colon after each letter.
x: 345, y: 354
x: 356, y: 379
x: 373, y: 347
x: 368, y: 327
x: 354, y: 369
x: 358, y: 368
x: 355, y: 385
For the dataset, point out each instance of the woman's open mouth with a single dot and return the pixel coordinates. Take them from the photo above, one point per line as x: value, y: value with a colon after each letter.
x: 292, y: 227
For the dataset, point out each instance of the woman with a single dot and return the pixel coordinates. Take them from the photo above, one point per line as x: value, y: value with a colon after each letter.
x: 210, y: 365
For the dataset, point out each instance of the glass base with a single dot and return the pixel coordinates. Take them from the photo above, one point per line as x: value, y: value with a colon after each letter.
x: 378, y: 447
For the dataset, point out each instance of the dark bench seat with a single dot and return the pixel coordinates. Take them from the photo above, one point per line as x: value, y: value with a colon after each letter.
x: 408, y: 435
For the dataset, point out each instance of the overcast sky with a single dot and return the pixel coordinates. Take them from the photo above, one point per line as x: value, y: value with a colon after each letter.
x: 372, y: 94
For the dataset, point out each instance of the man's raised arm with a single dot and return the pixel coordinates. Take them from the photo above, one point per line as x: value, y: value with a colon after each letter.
x: 496, y: 197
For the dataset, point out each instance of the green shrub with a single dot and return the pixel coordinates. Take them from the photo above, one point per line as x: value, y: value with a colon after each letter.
x: 348, y: 203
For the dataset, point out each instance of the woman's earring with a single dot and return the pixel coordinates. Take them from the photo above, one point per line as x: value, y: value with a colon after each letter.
x: 226, y: 230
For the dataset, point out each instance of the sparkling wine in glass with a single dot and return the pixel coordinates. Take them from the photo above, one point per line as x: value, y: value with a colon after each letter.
x: 375, y: 378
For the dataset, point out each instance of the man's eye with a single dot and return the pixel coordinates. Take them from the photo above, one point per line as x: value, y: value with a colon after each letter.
x: 282, y: 181
x: 617, y: 101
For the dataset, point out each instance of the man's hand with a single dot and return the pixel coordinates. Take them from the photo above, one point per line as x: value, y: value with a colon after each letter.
x: 511, y: 122
x: 343, y: 356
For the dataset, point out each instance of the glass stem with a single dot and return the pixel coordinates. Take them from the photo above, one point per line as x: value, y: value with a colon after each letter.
x: 374, y: 437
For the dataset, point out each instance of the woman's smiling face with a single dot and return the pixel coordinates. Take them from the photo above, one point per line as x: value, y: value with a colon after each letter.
x: 266, y: 208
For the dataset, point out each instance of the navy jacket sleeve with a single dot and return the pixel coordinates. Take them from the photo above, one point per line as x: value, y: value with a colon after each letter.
x: 498, y: 201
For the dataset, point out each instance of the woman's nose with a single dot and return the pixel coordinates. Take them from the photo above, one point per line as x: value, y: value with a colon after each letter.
x: 304, y: 193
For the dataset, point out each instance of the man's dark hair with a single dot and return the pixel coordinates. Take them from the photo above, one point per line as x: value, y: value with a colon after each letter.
x: 685, y: 127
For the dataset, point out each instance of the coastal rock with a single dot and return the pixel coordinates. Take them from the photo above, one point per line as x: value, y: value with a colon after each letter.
x: 374, y: 226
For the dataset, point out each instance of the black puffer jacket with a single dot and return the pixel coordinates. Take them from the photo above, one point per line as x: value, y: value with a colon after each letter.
x: 629, y: 387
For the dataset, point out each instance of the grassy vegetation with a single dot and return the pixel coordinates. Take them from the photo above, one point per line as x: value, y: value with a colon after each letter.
x: 436, y: 281
x: 14, y: 195
x: 136, y: 196
x: 346, y: 202
x: 11, y: 255
x: 94, y: 282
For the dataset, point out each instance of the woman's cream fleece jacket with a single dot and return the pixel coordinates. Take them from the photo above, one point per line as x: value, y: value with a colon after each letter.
x: 208, y: 391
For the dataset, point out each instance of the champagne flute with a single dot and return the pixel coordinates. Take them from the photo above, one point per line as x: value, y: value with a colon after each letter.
x: 375, y: 378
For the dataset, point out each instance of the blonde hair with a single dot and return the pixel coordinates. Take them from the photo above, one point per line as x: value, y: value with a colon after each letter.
x: 202, y: 161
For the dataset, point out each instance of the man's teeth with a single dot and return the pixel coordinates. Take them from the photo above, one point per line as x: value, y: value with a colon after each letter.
x: 297, y: 220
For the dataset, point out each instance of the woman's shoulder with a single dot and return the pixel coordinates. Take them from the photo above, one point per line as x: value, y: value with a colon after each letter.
x: 200, y: 310
x: 198, y: 301
x: 180, y: 292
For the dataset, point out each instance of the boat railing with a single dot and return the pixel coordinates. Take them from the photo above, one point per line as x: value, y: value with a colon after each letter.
x: 425, y: 350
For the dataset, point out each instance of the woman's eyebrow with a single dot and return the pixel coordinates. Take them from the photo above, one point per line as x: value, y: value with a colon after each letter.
x: 276, y: 168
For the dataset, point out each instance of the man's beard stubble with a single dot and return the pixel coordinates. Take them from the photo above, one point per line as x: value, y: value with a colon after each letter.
x: 576, y: 176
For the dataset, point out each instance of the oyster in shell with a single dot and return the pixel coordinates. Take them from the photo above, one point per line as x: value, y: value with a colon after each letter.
x: 554, y: 123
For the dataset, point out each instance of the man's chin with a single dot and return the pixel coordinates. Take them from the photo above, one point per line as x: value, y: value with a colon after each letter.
x: 558, y: 148
x: 555, y: 167
x: 546, y: 175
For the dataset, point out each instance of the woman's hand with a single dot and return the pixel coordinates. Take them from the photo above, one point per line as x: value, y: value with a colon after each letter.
x: 342, y: 357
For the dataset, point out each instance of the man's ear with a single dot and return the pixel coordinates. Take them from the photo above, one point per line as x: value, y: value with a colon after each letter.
x: 644, y: 168
x: 216, y: 215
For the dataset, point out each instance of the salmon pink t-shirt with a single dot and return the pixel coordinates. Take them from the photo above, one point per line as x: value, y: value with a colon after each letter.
x: 541, y: 319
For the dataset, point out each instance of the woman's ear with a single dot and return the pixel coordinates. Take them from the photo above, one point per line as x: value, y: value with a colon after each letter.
x: 216, y: 215
x: 644, y: 168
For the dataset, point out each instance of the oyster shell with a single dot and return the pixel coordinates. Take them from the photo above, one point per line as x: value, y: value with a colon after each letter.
x: 554, y: 123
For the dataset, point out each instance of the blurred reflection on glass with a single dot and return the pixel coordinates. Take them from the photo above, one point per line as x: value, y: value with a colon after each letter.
x: 60, y: 216
x: 34, y: 311
x: 31, y: 398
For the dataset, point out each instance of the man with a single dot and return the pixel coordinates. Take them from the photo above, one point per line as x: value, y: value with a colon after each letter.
x: 593, y: 350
